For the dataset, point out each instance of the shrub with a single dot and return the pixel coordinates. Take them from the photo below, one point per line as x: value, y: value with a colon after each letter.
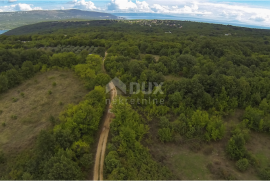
x: 54, y: 84
x: 165, y: 135
x: 15, y: 99
x: 252, y: 159
x: 2, y: 157
x: 49, y: 92
x: 265, y: 174
x: 61, y: 103
x: 22, y: 94
x: 1, y: 111
x: 236, y: 147
x: 4, y: 124
x: 14, y: 117
x: 242, y: 164
x: 52, y: 120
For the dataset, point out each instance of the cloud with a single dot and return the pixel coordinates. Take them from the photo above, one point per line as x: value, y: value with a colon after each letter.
x: 206, y: 9
x: 84, y: 5
x: 12, y: 1
x: 127, y: 5
x: 19, y: 7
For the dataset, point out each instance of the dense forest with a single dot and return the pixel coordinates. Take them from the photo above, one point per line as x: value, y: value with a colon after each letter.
x: 208, y: 72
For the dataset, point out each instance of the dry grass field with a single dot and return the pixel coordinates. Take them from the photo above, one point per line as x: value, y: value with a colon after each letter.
x: 25, y: 110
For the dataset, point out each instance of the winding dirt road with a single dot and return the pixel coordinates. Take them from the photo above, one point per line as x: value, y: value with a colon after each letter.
x: 101, y: 149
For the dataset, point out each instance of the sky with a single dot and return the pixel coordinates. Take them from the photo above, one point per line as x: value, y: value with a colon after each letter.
x: 245, y: 12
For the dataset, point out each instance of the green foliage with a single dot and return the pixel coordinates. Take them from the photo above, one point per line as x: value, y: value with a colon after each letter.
x: 3, y: 83
x: 2, y: 157
x: 14, y: 117
x: 52, y: 120
x: 255, y: 118
x: 14, y: 99
x: 165, y: 135
x: 130, y: 159
x: 86, y: 161
x: 3, y: 124
x: 242, y: 164
x: 63, y: 59
x: 22, y: 94
x: 54, y: 84
x: 102, y: 79
x: 49, y: 92
x: 236, y: 147
x: 264, y: 174
x: 94, y: 62
x: 62, y: 167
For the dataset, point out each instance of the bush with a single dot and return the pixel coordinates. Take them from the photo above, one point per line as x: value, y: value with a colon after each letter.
x: 265, y: 174
x: 242, y: 164
x: 236, y: 147
x: 49, y: 92
x: 165, y: 135
x: 52, y: 120
x: 54, y: 84
x: 2, y: 157
x: 22, y: 94
x: 252, y: 159
x: 14, y: 117
x: 4, y: 124
x: 1, y: 111
x: 14, y: 99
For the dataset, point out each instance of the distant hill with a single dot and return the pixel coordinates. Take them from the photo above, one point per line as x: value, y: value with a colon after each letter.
x: 50, y: 27
x: 10, y: 20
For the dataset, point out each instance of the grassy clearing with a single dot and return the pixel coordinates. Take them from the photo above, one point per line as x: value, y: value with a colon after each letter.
x: 24, y: 118
x: 191, y: 166
x: 259, y: 145
x: 172, y: 77
x: 190, y: 160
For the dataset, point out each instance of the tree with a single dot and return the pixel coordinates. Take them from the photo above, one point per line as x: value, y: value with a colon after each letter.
x: 45, y: 144
x: 135, y: 68
x: 149, y: 59
x: 264, y: 106
x: 13, y: 77
x: 112, y: 161
x: 102, y: 79
x: 84, y: 71
x: 27, y: 69
x: 62, y: 167
x: 100, y: 51
x: 236, y: 147
x: 3, y: 83
x: 94, y: 62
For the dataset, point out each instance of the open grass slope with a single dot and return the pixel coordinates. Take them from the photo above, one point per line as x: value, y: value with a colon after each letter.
x: 26, y: 109
x: 197, y: 160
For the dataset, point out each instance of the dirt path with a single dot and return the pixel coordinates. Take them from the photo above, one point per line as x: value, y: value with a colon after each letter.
x: 101, y: 149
